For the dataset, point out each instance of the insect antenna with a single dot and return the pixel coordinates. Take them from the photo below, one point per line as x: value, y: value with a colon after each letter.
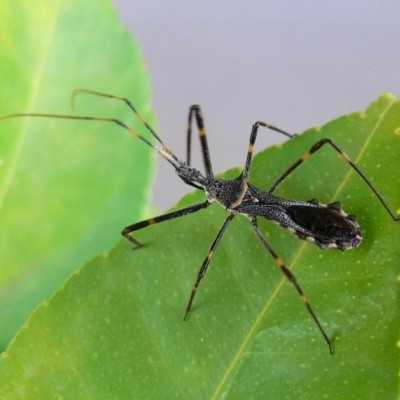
x: 162, y: 149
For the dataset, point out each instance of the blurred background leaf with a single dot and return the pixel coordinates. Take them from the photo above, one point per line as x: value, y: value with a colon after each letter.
x: 115, y: 330
x: 67, y: 188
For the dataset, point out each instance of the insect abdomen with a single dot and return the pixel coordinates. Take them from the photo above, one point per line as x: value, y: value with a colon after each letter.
x: 328, y: 226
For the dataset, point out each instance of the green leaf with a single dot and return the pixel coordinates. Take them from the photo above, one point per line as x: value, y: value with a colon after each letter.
x: 67, y: 188
x: 115, y: 330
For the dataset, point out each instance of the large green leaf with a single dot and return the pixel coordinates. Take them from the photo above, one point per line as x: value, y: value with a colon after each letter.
x: 115, y: 330
x: 67, y: 188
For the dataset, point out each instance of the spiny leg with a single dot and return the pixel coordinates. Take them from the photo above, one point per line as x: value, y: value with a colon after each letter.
x: 313, y: 150
x: 161, y: 218
x: 196, y: 112
x: 206, y: 262
x: 253, y: 137
x: 289, y: 275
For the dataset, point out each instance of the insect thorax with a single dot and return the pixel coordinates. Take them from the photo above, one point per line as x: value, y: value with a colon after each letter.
x: 229, y: 193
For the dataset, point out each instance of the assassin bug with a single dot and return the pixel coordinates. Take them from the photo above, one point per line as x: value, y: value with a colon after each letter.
x: 327, y: 226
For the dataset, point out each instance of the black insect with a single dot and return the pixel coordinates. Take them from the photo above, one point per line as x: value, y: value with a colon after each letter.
x: 327, y: 226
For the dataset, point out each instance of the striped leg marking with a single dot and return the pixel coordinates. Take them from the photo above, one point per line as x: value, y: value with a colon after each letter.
x: 313, y: 150
x: 293, y: 280
x: 161, y: 218
x: 206, y: 262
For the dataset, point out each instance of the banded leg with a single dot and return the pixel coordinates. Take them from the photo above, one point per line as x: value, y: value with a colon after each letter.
x: 196, y: 112
x: 161, y: 218
x: 206, y: 262
x: 253, y: 137
x: 313, y: 150
x: 293, y: 280
x: 128, y: 103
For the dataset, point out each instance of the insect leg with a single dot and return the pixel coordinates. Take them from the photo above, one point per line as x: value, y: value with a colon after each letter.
x: 161, y: 218
x: 206, y: 262
x: 253, y: 137
x: 313, y: 150
x: 196, y: 112
x: 293, y: 280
